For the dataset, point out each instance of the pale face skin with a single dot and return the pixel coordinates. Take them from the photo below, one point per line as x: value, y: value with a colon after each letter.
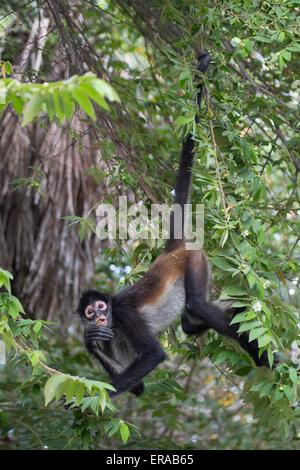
x: 96, y: 312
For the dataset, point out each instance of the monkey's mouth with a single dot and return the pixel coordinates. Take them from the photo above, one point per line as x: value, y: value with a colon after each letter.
x: 101, y: 322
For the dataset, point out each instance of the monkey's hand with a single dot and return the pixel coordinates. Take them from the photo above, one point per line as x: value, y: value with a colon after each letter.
x: 97, y: 333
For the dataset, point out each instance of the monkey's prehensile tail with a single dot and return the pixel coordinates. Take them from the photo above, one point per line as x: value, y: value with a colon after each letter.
x: 184, y: 177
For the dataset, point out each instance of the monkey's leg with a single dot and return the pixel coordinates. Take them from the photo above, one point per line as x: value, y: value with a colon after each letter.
x: 191, y: 325
x: 212, y: 316
x: 138, y: 389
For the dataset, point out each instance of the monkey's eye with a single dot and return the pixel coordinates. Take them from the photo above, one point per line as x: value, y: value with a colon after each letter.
x: 101, y: 305
x: 89, y: 312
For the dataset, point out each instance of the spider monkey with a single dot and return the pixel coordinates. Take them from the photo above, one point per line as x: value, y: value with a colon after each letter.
x: 122, y: 329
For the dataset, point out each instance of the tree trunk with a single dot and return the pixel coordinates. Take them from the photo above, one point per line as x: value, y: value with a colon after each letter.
x: 49, y: 264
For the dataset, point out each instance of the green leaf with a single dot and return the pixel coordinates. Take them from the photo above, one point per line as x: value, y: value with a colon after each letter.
x: 293, y: 376
x: 222, y: 263
x: 239, y: 318
x: 32, y: 108
x: 181, y: 120
x: 67, y: 105
x: 241, y: 304
x: 91, y: 402
x: 5, y: 277
x: 288, y: 392
x: 3, y: 98
x: 251, y: 279
x: 93, y: 93
x: 265, y: 390
x: 184, y: 75
x: 37, y: 326
x: 224, y: 237
x: 83, y: 102
x: 8, y: 67
x: 18, y: 104
x: 50, y: 106
x: 243, y: 371
x: 264, y: 340
x: 286, y: 55
x: 51, y: 386
x: 249, y: 45
x: 9, y: 340
x: 82, y: 230
x: 294, y: 48
x: 224, y: 355
x: 261, y: 385
x: 270, y: 357
x: 124, y: 431
x: 281, y: 62
x: 97, y: 385
x: 58, y: 105
x: 256, y: 333
x: 104, y: 89
x: 262, y: 38
x: 34, y: 357
x: 114, y: 428
x: 70, y: 386
x: 261, y: 236
x: 232, y: 292
x: 248, y: 325
x: 14, y: 307
x: 246, y: 148
x: 102, y: 399
x: 6, y: 273
x: 97, y: 174
x: 278, y: 394
x: 79, y: 391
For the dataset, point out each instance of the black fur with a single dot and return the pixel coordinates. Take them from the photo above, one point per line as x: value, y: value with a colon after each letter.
x: 127, y: 345
x: 184, y: 177
x: 129, y: 350
x: 205, y: 315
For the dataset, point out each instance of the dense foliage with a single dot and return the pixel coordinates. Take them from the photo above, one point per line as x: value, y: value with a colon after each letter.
x: 208, y: 394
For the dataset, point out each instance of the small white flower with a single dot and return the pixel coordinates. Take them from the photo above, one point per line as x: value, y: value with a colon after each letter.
x: 266, y: 284
x: 245, y: 233
x: 257, y: 306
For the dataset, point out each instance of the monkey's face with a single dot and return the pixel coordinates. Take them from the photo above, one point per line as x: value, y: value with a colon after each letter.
x: 95, y: 307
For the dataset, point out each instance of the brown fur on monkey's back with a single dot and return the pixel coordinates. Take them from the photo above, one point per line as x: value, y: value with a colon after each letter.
x: 170, y: 267
x: 160, y: 294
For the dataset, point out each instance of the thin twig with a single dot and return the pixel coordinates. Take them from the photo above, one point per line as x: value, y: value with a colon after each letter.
x: 219, y: 369
x: 216, y: 160
x: 24, y: 347
x: 294, y: 159
x: 215, y: 148
x: 294, y: 246
x: 227, y: 376
x: 189, y: 378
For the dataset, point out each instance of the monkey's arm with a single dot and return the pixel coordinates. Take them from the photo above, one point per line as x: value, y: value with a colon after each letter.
x: 148, y: 350
x: 130, y: 379
x: 106, y: 354
x: 102, y: 354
